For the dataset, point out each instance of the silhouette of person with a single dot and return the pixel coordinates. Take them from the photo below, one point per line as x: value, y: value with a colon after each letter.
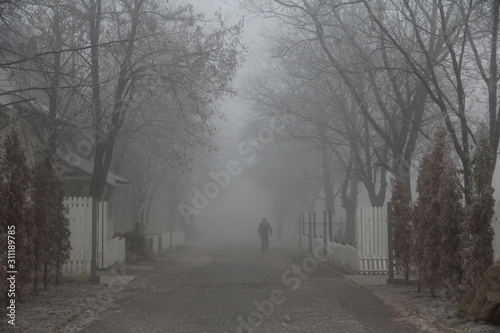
x: 264, y: 232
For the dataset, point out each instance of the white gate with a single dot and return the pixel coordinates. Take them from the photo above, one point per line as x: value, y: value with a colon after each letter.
x: 372, y: 240
x: 80, y: 224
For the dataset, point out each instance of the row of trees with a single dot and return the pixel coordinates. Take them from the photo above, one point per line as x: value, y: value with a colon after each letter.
x: 448, y: 245
x: 34, y: 230
x: 135, y: 83
x: 360, y: 87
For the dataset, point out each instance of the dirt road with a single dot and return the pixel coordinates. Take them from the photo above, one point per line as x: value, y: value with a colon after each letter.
x: 234, y: 287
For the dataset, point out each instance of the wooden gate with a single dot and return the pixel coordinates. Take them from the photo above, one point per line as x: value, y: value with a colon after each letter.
x: 372, y: 240
x: 109, y: 251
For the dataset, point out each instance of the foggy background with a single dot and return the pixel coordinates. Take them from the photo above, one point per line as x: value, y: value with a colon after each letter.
x: 235, y: 213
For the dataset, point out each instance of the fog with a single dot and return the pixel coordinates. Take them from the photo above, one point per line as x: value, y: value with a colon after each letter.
x: 145, y: 141
x: 235, y: 214
x: 235, y: 211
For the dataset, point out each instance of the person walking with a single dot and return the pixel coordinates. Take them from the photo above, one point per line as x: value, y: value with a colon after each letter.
x: 264, y: 231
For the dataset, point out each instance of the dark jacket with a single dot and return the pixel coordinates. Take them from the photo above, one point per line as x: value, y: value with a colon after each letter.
x: 265, y: 230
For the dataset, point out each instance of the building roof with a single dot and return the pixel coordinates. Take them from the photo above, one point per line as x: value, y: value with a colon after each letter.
x: 87, y: 167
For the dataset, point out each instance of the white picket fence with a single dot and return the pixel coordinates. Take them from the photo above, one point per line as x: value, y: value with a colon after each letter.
x: 344, y: 255
x: 109, y: 252
x: 371, y: 253
x: 166, y: 241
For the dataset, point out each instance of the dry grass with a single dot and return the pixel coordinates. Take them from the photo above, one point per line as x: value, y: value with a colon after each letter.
x: 431, y: 314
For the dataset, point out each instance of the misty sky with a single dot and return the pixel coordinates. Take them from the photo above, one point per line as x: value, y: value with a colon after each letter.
x: 239, y: 207
x: 236, y: 212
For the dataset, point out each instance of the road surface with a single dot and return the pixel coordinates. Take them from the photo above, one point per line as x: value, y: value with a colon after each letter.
x: 234, y: 287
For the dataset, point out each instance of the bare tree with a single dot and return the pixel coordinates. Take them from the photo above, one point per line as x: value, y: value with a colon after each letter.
x: 452, y: 73
x: 317, y: 108
x: 200, y: 65
x: 393, y: 103
x: 155, y: 144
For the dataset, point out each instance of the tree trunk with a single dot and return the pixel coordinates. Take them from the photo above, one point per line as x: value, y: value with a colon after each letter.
x: 45, y: 275
x: 94, y: 34
x: 54, y: 85
x: 149, y: 200
x: 327, y: 180
x: 350, y: 204
x: 105, y: 142
x: 36, y: 272
x: 493, y: 82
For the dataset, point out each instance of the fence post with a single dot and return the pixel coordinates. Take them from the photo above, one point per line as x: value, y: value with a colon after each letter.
x: 390, y: 265
x: 314, y: 224
x: 300, y: 231
x: 342, y: 227
x: 330, y: 221
x: 310, y: 234
x: 303, y: 224
x: 324, y: 234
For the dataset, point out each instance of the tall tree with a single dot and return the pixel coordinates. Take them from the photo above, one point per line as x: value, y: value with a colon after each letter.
x: 318, y: 112
x: 393, y: 102
x: 477, y: 238
x: 465, y: 49
x: 39, y: 197
x: 172, y: 51
x: 401, y: 221
x: 428, y: 239
x: 17, y: 212
x: 58, y: 229
x: 451, y: 222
